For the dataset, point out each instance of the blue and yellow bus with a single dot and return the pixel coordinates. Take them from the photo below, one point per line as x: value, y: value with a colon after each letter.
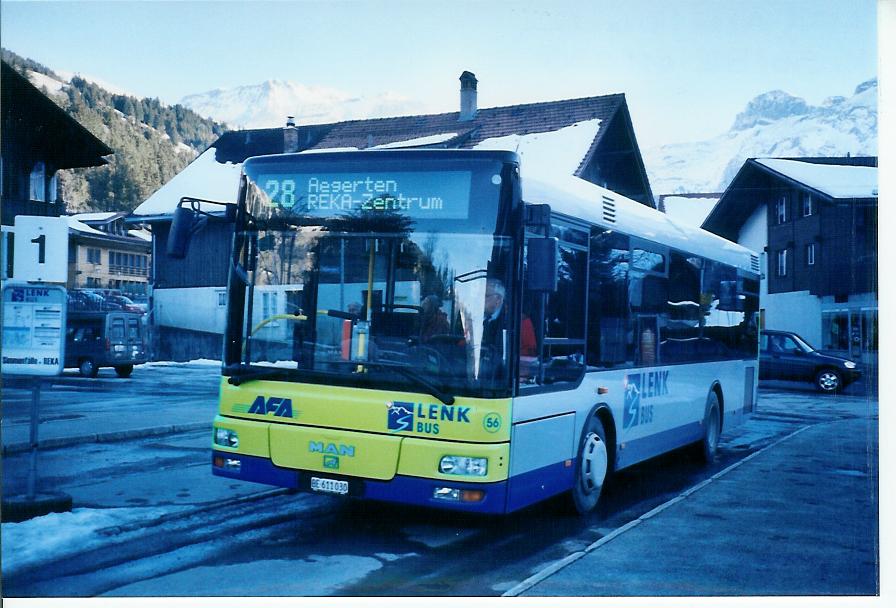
x: 431, y: 327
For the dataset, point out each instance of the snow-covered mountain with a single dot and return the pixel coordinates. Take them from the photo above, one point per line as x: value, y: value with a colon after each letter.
x: 269, y: 103
x: 772, y: 124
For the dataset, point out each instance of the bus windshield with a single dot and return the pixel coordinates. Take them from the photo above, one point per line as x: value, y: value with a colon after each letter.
x: 394, y: 279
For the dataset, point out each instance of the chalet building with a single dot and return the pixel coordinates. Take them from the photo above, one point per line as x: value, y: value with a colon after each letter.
x: 592, y: 138
x: 38, y: 139
x: 107, y: 253
x: 815, y: 222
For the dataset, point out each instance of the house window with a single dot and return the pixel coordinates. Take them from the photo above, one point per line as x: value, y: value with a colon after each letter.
x: 782, y: 263
x: 807, y: 205
x: 222, y: 299
x: 810, y: 254
x: 781, y: 209
x: 38, y: 188
x: 93, y: 255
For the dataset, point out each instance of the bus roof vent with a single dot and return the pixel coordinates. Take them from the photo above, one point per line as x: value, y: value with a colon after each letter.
x: 754, y: 263
x: 609, y: 209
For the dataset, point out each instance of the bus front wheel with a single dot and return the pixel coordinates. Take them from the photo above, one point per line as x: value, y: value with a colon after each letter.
x: 712, y: 428
x: 592, y: 467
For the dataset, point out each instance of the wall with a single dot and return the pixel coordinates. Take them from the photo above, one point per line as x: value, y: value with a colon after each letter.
x: 797, y: 311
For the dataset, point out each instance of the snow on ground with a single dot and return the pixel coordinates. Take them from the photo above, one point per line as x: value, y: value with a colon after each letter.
x: 691, y: 211
x: 214, y: 362
x: 203, y: 178
x: 39, y: 80
x: 838, y: 181
x: 57, y: 535
x: 549, y: 154
x: 317, y: 575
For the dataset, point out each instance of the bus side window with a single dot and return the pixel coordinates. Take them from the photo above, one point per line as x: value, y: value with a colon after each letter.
x: 610, y: 332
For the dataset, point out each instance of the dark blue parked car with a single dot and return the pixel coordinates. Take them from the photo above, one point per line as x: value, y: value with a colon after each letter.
x: 783, y: 355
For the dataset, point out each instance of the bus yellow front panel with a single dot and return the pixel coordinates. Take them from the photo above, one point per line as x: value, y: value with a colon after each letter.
x: 396, y: 413
x: 420, y: 458
x: 253, y: 436
x: 332, y: 451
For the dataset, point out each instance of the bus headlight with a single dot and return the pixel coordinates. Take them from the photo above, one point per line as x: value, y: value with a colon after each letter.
x: 463, y: 465
x: 849, y: 365
x: 227, y: 438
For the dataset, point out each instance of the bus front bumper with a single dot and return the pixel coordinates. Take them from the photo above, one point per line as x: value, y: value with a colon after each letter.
x: 401, y: 488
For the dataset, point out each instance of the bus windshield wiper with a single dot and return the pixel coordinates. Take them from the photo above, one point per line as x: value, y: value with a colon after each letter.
x: 239, y: 377
x: 443, y: 396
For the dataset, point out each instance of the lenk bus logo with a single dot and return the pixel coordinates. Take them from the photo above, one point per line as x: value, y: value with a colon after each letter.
x: 638, y: 387
x: 276, y: 405
x: 405, y: 417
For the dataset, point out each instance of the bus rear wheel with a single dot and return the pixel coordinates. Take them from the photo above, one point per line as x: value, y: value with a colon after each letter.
x: 592, y: 467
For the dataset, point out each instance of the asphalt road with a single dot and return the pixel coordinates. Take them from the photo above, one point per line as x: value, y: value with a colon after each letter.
x: 185, y: 532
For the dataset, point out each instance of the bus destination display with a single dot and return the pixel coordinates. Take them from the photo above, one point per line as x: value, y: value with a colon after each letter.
x: 421, y: 195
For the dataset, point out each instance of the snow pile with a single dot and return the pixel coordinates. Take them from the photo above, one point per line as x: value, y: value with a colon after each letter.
x: 773, y: 125
x: 203, y: 178
x: 689, y: 210
x: 550, y: 154
x: 50, y: 537
x: 837, y: 181
x: 269, y: 103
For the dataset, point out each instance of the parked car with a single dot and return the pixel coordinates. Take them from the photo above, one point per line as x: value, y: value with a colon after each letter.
x: 117, y: 302
x: 784, y: 355
x: 104, y: 339
x: 83, y: 299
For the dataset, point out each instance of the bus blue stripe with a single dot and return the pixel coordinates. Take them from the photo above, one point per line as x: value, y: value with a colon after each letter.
x: 637, y: 450
x: 539, y: 484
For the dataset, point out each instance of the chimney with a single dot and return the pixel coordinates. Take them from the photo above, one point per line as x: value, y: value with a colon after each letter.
x: 290, y: 135
x: 468, y: 96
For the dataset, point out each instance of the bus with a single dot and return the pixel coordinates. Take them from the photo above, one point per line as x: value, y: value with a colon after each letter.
x: 450, y: 333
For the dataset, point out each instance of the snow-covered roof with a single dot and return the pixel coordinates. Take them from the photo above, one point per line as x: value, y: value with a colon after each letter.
x: 837, y: 181
x: 74, y: 224
x: 141, y: 234
x: 94, y: 217
x: 553, y: 153
x: 428, y: 140
x: 689, y: 210
x: 203, y: 178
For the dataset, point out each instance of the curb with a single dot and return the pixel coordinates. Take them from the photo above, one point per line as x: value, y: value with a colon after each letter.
x: 558, y: 565
x: 112, y: 436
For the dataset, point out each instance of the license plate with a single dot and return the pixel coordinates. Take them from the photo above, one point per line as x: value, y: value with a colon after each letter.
x: 333, y: 486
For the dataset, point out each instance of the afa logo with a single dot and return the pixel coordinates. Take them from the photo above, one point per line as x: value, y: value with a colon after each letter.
x: 639, y: 387
x: 272, y: 405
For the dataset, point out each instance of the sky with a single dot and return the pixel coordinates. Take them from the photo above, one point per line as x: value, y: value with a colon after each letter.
x: 687, y: 67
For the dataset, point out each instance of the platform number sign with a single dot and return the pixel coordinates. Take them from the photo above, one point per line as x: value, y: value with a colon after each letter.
x: 41, y: 249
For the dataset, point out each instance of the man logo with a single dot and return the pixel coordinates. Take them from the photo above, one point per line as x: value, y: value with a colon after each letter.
x: 401, y: 416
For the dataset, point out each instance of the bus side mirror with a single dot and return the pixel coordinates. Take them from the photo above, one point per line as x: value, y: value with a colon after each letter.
x: 541, y: 264
x: 180, y: 233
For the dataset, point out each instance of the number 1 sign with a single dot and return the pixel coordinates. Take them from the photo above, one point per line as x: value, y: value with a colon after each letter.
x: 41, y: 249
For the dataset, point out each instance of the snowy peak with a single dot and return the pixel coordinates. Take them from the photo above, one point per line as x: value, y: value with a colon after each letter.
x: 269, y: 103
x: 774, y: 124
x: 769, y: 107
